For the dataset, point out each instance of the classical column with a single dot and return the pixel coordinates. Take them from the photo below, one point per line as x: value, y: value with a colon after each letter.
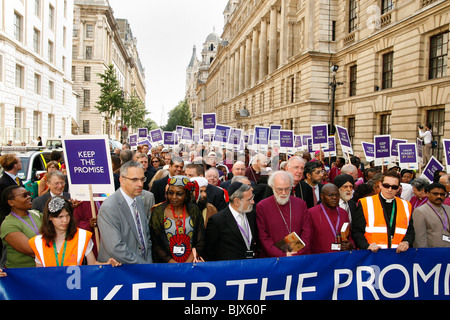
x: 242, y: 68
x: 263, y: 49
x: 236, y: 73
x: 254, y: 76
x: 273, y: 39
x: 231, y: 80
x: 248, y: 60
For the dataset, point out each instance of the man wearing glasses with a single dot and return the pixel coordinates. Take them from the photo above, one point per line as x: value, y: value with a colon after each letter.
x: 431, y: 220
x: 384, y: 220
x: 123, y: 224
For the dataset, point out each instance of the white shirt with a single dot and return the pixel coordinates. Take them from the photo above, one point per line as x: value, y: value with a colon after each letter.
x: 243, y: 224
x: 426, y: 136
x: 130, y: 201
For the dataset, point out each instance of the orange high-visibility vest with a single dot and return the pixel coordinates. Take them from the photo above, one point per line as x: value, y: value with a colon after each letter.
x: 74, y: 254
x: 376, y: 227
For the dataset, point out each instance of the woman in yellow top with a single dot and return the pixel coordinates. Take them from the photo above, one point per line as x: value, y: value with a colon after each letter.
x: 60, y: 242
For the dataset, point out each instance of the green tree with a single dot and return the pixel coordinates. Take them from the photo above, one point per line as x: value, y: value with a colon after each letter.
x: 111, y: 96
x: 179, y: 116
x: 150, y: 124
x: 134, y: 112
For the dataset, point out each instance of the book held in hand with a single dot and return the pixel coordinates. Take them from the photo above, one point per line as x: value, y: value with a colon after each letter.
x: 291, y: 243
x: 345, y: 230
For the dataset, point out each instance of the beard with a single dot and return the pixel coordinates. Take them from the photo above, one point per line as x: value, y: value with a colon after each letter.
x: 281, y: 200
x: 246, y: 210
x: 346, y: 196
x: 201, y: 203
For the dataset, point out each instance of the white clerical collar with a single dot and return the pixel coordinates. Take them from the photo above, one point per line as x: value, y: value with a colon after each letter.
x: 387, y: 200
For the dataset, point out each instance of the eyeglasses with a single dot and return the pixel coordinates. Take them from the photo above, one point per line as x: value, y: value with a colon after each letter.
x: 135, y: 180
x: 387, y: 186
x: 23, y: 195
x: 287, y: 190
x: 435, y: 194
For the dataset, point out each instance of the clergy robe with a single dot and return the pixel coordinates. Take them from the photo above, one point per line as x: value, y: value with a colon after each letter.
x: 322, y: 234
x: 272, y: 227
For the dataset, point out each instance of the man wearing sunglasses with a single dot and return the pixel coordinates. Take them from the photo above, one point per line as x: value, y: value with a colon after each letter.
x: 384, y: 220
x: 431, y: 220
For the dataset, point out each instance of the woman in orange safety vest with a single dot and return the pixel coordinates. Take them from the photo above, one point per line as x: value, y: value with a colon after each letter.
x: 60, y: 242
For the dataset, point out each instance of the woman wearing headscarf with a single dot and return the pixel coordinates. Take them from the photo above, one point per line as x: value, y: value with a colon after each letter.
x: 176, y: 225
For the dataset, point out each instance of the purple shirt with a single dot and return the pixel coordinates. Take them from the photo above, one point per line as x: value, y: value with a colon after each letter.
x: 272, y: 228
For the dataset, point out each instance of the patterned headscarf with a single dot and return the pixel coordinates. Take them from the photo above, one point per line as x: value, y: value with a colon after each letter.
x: 183, y: 181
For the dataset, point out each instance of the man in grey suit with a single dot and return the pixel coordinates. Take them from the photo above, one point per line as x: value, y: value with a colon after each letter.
x: 56, y: 181
x: 122, y: 221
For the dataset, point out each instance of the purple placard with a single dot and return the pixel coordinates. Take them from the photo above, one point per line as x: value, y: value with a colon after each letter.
x: 235, y: 136
x: 187, y: 134
x: 87, y: 161
x: 310, y: 145
x: 446, y: 143
x: 432, y: 166
x: 286, y: 138
x: 305, y: 138
x: 133, y: 140
x: 369, y: 150
x: 419, y: 148
x: 394, y: 148
x: 382, y: 144
x: 320, y: 134
x: 196, y: 138
x: 331, y: 150
x: 201, y: 133
x: 274, y: 132
x: 156, y: 135
x: 146, y: 141
x: 221, y: 133
x: 298, y: 141
x: 142, y: 133
x: 407, y: 154
x: 169, y: 138
x: 262, y: 135
x: 179, y: 130
x: 209, y: 121
x: 344, y: 138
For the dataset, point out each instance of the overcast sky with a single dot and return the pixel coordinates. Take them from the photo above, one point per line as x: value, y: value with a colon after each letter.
x: 166, y: 32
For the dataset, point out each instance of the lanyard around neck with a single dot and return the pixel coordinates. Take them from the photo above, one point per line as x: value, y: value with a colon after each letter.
x: 56, y: 253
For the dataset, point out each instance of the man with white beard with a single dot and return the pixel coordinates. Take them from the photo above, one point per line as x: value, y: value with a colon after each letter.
x: 281, y: 214
x: 345, y: 184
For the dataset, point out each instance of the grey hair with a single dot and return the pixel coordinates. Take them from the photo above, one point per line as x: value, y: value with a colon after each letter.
x: 129, y: 164
x: 239, y: 193
x: 419, y: 183
x: 55, y: 173
x: 238, y: 179
x: 286, y: 176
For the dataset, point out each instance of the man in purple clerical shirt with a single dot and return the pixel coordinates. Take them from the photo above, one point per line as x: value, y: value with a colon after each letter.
x: 327, y: 220
x: 280, y: 215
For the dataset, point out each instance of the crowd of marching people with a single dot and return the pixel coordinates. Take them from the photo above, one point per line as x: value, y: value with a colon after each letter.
x: 195, y: 204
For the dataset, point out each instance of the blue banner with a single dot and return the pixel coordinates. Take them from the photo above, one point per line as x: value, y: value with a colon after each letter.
x: 421, y: 274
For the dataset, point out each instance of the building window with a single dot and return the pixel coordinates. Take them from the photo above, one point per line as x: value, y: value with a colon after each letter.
x: 51, y: 125
x: 87, y: 73
x: 50, y: 51
x: 385, y: 123
x: 37, y: 41
x: 51, y: 17
x: 37, y: 8
x: 386, y: 5
x: 352, y: 85
x: 436, y: 117
x: 87, y: 99
x: 36, y: 124
x: 20, y: 76
x: 51, y: 90
x: 438, y: 55
x: 88, y: 52
x: 89, y: 31
x: 351, y: 128
x: 352, y: 15
x: 85, y: 126
x: 74, y: 69
x: 18, y: 27
x: 37, y: 83
x: 388, y: 68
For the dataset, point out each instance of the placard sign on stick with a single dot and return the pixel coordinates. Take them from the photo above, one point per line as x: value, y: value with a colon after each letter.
x: 344, y: 139
x: 221, y: 134
x: 142, y: 133
x: 407, y: 156
x: 331, y: 150
x: 369, y: 151
x: 209, y: 121
x: 446, y: 150
x: 286, y: 140
x: 157, y: 136
x: 382, y: 146
x: 432, y: 166
x: 394, y: 148
x: 261, y: 138
x: 88, y: 162
x: 169, y: 138
x: 275, y: 133
x: 319, y: 134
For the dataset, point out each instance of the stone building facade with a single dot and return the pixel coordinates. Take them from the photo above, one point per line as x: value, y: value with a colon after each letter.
x: 36, y: 97
x: 99, y: 39
x: 276, y: 56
